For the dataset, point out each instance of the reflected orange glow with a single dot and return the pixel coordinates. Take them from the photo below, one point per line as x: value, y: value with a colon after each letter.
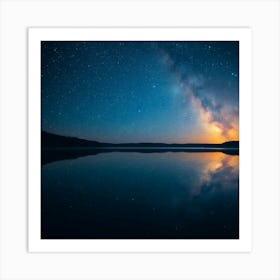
x: 209, y: 160
x: 210, y: 163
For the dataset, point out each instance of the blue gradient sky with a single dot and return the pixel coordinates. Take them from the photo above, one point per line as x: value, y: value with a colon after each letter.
x: 173, y: 92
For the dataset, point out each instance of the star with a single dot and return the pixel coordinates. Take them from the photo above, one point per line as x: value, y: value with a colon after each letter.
x: 104, y: 90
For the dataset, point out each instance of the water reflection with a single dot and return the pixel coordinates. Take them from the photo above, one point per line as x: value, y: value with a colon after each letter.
x: 142, y: 195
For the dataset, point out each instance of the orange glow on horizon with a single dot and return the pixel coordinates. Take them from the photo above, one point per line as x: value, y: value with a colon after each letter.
x: 213, y: 131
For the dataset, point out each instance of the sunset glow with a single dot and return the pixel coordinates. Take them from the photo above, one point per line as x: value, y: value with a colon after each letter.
x: 117, y: 92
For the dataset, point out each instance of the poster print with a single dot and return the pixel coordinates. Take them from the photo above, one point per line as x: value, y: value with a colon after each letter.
x: 140, y: 140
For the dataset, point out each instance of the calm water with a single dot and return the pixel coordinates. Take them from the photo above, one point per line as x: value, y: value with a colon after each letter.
x: 142, y: 195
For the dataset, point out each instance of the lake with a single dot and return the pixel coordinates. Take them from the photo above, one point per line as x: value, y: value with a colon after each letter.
x: 137, y: 195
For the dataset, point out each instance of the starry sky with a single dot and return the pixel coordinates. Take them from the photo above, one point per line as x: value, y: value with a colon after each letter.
x: 138, y: 91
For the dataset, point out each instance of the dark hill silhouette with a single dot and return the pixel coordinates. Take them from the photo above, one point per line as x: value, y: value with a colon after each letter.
x: 231, y: 144
x: 57, y: 147
x: 54, y: 140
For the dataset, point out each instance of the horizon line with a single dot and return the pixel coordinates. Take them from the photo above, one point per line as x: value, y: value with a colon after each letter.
x: 122, y: 143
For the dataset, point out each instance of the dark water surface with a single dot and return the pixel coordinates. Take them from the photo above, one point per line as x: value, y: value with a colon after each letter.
x: 142, y: 195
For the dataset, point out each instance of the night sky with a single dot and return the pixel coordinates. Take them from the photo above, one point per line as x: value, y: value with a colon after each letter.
x: 117, y: 92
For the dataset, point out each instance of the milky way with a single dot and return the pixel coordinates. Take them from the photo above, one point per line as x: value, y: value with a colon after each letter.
x: 173, y: 92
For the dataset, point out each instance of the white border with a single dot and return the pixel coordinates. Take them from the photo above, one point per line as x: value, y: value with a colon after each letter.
x: 243, y: 35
